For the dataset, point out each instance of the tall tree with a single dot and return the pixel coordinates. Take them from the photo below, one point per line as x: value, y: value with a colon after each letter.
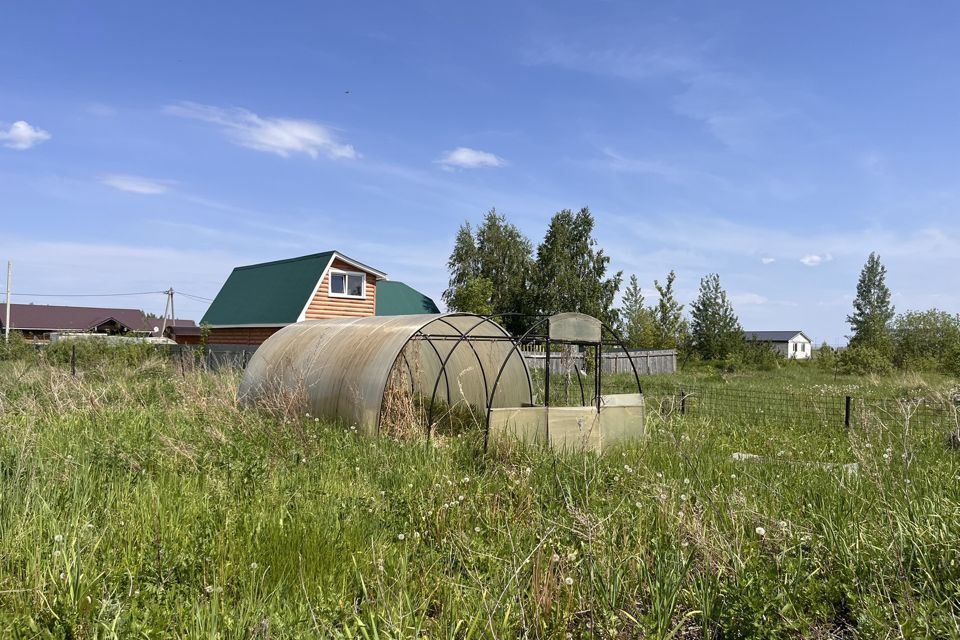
x: 670, y: 327
x: 715, y: 329
x: 872, y: 310
x: 496, y: 261
x: 636, y: 319
x: 571, y: 273
x: 463, y: 265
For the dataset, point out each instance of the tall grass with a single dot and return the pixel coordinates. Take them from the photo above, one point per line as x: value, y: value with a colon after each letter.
x: 141, y: 502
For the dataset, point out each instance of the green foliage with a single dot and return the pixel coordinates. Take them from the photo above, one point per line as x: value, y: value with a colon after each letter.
x: 95, y: 353
x: 473, y: 296
x: 498, y: 253
x: 715, y: 330
x: 17, y: 348
x: 670, y: 327
x: 760, y: 355
x: 825, y: 358
x: 864, y: 360
x: 570, y: 272
x: 927, y: 341
x: 872, y: 310
x: 636, y: 320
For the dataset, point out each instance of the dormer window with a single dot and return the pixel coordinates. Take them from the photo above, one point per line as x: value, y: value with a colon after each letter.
x: 348, y: 284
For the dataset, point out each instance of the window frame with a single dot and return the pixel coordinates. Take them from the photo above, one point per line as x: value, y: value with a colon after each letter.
x: 346, y: 284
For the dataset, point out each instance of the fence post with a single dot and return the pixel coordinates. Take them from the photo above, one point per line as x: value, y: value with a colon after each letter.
x: 73, y: 360
x: 846, y: 412
x: 683, y: 402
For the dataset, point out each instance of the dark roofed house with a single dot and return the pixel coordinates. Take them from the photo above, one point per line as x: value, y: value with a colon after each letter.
x: 38, y: 321
x: 257, y: 300
x: 791, y: 344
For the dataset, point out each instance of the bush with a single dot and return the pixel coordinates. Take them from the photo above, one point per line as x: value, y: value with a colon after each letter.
x: 92, y: 352
x: 17, y: 348
x: 861, y: 360
x: 825, y: 357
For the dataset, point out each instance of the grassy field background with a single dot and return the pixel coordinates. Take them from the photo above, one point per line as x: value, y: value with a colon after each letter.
x: 139, y: 502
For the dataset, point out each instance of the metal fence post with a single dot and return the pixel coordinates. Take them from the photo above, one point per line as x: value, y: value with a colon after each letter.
x: 73, y: 360
x: 846, y: 412
x: 683, y: 402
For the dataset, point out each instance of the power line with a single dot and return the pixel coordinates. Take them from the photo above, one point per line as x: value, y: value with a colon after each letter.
x: 83, y: 295
x: 195, y: 297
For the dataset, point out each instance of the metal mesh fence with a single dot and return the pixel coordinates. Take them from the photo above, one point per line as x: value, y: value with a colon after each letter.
x: 765, y: 406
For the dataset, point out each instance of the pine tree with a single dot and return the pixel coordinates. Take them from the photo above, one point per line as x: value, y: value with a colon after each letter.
x: 571, y: 273
x: 715, y: 330
x: 636, y: 320
x: 670, y: 327
x: 872, y: 310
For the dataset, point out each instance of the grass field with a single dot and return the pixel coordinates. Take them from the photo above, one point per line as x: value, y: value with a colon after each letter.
x: 137, y: 502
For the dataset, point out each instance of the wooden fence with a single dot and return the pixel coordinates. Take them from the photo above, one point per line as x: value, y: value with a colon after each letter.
x: 647, y: 362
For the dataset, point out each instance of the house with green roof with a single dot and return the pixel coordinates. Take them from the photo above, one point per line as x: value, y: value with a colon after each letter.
x: 259, y: 299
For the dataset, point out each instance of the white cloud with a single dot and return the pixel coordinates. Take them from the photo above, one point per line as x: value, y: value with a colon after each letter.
x: 815, y: 260
x: 136, y: 184
x: 467, y: 158
x: 22, y: 135
x: 282, y: 136
x: 747, y: 299
x: 768, y: 260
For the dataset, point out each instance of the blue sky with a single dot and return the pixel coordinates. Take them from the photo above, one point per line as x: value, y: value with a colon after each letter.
x: 144, y: 146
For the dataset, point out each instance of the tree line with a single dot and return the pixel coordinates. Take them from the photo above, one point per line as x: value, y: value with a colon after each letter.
x: 494, y: 270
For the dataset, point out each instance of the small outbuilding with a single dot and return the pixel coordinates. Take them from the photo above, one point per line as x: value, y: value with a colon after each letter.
x: 793, y: 345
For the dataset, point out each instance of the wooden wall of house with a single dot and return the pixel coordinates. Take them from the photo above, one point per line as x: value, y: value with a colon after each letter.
x: 324, y: 306
x: 241, y: 335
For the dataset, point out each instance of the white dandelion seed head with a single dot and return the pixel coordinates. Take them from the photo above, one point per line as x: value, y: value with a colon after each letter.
x: 568, y: 581
x: 401, y: 537
x: 208, y: 588
x: 761, y: 531
x: 58, y: 538
x: 254, y: 566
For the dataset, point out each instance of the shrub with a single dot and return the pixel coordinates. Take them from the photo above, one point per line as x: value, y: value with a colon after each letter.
x: 91, y: 352
x: 863, y: 360
x: 17, y: 348
x: 825, y: 357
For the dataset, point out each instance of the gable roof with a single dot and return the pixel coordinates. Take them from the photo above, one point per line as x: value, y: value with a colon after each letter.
x: 774, y: 336
x: 274, y: 293
x: 398, y: 299
x: 268, y: 293
x: 50, y: 317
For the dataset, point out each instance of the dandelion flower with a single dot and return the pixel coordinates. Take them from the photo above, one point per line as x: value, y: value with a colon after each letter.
x: 254, y: 566
x: 761, y: 531
x: 686, y: 481
x: 208, y: 588
x: 568, y: 581
x: 58, y: 538
x: 683, y: 497
x: 401, y: 537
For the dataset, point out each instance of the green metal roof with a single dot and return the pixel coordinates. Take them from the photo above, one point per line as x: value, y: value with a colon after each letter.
x: 268, y: 293
x: 397, y: 299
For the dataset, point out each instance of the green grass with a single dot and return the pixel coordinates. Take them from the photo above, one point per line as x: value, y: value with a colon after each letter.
x: 139, y: 503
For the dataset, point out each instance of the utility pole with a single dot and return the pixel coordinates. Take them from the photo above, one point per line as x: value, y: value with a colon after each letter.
x: 6, y: 324
x: 167, y: 312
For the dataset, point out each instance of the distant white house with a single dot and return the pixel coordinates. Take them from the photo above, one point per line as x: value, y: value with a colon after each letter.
x: 791, y: 344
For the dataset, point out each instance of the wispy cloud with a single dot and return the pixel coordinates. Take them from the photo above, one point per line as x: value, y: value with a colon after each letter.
x: 630, y: 63
x: 467, y: 158
x: 136, y: 184
x: 767, y: 260
x: 282, y: 136
x: 21, y: 135
x: 744, y: 299
x: 815, y: 260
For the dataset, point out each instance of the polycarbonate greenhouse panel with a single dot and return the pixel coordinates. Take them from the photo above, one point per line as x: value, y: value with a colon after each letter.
x: 341, y: 367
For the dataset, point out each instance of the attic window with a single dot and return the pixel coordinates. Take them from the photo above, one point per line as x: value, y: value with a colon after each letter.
x: 347, y: 284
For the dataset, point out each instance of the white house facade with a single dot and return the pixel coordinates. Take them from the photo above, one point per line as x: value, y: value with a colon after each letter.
x: 794, y: 345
